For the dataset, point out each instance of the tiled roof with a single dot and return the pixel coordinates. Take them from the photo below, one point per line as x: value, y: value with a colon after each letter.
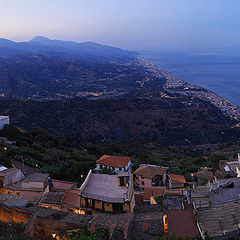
x: 204, y: 174
x: 150, y: 171
x: 36, y: 177
x: 158, y: 191
x: 219, y: 221
x: 113, y: 161
x: 182, y: 223
x: 177, y: 178
x: 54, y: 198
x: 72, y: 199
x: 154, y: 191
x: 62, y: 185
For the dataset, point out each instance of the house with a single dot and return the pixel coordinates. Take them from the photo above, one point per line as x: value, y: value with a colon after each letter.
x: 153, y: 222
x: 106, y: 193
x: 4, y: 120
x: 34, y: 187
x: 115, y: 163
x: 10, y: 175
x: 182, y: 223
x: 177, y: 181
x: 199, y: 197
x: 231, y: 166
x: 62, y: 196
x: 150, y: 175
x: 204, y: 176
x: 150, y: 193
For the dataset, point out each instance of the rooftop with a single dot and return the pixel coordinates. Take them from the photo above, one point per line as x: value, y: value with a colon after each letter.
x: 217, y: 221
x: 2, y: 168
x: 62, y: 185
x: 105, y: 188
x: 182, y: 223
x: 13, y: 200
x: 113, y: 161
x: 177, y: 178
x: 8, y: 171
x: 36, y: 177
x: 154, y: 191
x: 4, y: 117
x: 204, y: 174
x: 54, y: 198
x: 72, y: 199
x: 150, y: 171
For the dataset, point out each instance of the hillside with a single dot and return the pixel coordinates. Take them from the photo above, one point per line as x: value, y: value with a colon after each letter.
x: 142, y: 116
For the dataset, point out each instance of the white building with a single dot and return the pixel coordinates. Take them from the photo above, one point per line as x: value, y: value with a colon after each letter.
x: 115, y: 163
x: 4, y: 120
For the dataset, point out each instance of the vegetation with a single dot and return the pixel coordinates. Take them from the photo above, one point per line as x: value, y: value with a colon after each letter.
x: 70, y: 160
x: 13, y: 231
x: 85, y: 234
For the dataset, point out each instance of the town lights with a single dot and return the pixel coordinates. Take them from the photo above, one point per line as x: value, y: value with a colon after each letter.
x: 54, y: 235
x: 5, y: 148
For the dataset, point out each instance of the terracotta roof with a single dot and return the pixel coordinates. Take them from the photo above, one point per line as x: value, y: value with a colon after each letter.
x: 114, y: 161
x: 177, y: 178
x: 150, y: 171
x: 158, y: 191
x: 55, y: 198
x: 154, y: 191
x: 62, y: 185
x: 72, y: 199
x: 182, y: 223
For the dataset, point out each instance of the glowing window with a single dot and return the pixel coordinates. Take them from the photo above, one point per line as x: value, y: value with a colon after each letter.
x: 165, y: 224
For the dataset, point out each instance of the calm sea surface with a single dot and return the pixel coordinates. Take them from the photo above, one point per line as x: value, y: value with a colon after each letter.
x: 221, y: 74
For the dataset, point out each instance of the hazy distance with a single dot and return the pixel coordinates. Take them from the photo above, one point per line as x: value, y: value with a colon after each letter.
x: 130, y: 24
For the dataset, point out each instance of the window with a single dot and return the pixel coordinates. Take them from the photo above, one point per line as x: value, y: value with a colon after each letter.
x: 100, y: 166
x: 165, y: 224
x: 120, y: 169
x: 143, y: 183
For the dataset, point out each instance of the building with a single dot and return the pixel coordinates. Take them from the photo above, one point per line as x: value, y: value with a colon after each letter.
x: 10, y: 200
x: 177, y: 181
x: 106, y: 193
x: 10, y: 175
x: 115, y: 163
x: 150, y: 175
x: 34, y: 187
x: 153, y: 222
x: 62, y: 196
x: 4, y: 120
x: 220, y: 222
x: 231, y: 166
x: 199, y: 197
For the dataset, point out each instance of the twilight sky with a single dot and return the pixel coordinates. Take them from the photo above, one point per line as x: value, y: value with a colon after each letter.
x: 130, y: 24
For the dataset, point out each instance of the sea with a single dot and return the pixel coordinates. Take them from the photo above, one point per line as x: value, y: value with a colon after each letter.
x: 218, y: 73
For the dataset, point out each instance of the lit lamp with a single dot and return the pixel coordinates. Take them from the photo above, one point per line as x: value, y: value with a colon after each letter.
x: 54, y: 235
x: 5, y: 148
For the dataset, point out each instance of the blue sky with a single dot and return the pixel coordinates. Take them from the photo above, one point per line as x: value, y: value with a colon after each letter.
x: 130, y: 24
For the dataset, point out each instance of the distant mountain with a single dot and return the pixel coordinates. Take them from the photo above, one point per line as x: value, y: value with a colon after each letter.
x: 87, y: 51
